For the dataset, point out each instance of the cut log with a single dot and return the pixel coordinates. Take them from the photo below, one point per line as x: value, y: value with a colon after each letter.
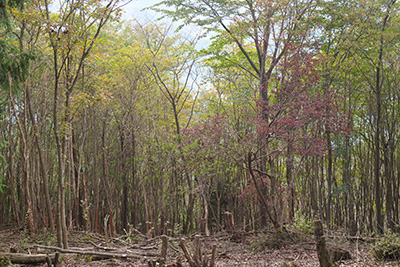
x: 21, y: 258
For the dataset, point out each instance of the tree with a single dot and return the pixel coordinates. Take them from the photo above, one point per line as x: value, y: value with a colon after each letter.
x: 260, y: 30
x: 378, y: 91
x: 376, y: 71
x: 72, y: 36
x: 175, y: 74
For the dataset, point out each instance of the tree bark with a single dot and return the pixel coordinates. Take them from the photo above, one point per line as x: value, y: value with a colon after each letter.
x: 124, y: 178
x: 378, y: 90
x: 21, y: 258
x: 107, y: 183
x: 323, y: 255
x: 329, y: 179
x: 290, y: 182
x: 10, y: 171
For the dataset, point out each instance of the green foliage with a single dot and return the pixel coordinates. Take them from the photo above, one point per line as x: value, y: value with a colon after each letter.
x: 13, y: 64
x: 25, y: 241
x: 5, y: 261
x: 387, y: 247
x: 270, y: 241
x: 2, y: 185
x: 87, y: 258
x: 4, y: 4
x: 208, y: 13
x: 302, y: 224
x: 46, y: 239
x: 340, y: 191
x: 3, y: 165
x: 89, y: 238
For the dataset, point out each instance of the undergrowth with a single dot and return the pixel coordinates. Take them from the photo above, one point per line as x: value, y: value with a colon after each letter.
x: 270, y: 240
x: 387, y: 247
x: 302, y: 225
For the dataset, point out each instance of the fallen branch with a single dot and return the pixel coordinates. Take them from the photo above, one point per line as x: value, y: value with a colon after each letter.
x: 101, y: 247
x: 21, y: 258
x: 102, y: 254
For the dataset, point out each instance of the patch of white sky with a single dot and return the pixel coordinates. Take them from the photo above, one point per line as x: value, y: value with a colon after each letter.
x: 139, y: 10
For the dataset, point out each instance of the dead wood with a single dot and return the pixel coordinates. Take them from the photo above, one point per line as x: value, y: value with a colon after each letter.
x: 21, y: 258
x: 98, y: 247
x: 199, y: 258
x: 116, y: 254
x: 186, y: 252
x: 148, y: 247
x: 173, y: 248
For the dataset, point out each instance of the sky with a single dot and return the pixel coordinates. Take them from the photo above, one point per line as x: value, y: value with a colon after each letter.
x: 133, y: 10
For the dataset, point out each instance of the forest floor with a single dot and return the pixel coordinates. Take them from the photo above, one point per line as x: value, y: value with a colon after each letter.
x: 243, y: 250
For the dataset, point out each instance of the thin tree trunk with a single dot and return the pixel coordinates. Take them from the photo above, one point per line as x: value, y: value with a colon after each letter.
x: 10, y: 171
x: 125, y: 188
x: 43, y: 165
x: 329, y: 179
x: 107, y: 184
x: 289, y: 179
x: 76, y: 178
x: 133, y: 183
x: 378, y: 202
x: 26, y: 156
x: 378, y: 89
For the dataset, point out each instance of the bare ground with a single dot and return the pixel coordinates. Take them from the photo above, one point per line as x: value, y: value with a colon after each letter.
x: 248, y: 250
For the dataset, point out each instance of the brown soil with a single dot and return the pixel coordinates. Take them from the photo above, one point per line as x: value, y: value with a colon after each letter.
x: 247, y: 250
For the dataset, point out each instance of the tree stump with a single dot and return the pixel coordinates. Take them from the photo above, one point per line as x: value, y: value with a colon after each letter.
x: 164, y: 248
x: 323, y: 255
x: 338, y: 254
x: 229, y: 222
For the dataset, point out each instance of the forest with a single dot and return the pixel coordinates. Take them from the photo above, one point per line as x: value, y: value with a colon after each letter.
x: 289, y: 114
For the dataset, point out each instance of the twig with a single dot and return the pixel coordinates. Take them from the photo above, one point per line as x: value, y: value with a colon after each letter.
x: 101, y: 247
x: 173, y: 248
